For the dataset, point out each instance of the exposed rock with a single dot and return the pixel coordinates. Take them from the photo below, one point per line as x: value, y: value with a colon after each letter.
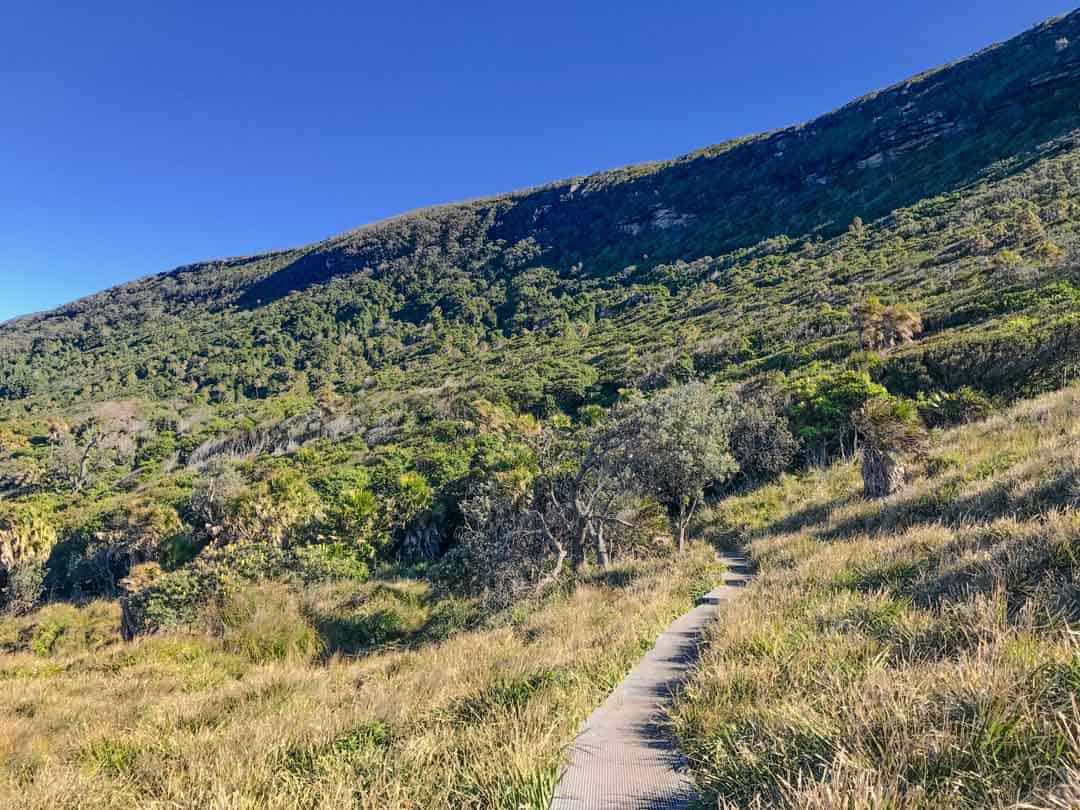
x: 1068, y: 75
x: 872, y: 162
x: 660, y: 218
x: 664, y: 218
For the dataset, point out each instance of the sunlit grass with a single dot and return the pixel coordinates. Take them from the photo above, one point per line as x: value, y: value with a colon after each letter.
x: 917, y: 652
x: 283, y: 711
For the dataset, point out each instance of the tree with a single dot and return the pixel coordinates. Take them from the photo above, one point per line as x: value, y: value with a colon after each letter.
x: 762, y: 443
x: 822, y: 407
x: 676, y: 445
x: 888, y: 426
x: 881, y: 327
x: 581, y: 488
x: 103, y: 440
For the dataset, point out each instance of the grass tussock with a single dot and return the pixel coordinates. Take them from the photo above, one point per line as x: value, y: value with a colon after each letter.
x: 378, y: 695
x: 913, y: 653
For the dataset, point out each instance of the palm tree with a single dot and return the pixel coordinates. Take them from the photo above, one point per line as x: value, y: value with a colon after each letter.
x: 888, y: 428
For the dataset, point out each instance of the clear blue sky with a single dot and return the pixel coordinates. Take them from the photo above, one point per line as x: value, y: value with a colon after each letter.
x: 137, y: 136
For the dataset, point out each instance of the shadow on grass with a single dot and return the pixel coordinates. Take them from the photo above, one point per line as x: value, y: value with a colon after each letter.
x: 1011, y: 497
x: 359, y: 633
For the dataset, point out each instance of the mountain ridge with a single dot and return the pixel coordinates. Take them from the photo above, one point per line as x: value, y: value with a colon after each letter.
x: 907, y: 136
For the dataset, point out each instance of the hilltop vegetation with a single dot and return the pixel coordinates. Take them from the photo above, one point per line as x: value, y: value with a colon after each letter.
x: 268, y: 483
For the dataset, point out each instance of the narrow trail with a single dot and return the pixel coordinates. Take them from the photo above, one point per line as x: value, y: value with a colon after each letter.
x: 623, y: 757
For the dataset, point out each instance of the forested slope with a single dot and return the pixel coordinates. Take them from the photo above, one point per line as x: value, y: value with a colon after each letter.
x: 375, y: 522
x: 916, y: 247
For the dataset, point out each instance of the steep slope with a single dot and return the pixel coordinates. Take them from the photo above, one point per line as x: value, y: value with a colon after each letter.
x: 984, y: 119
x: 956, y: 193
x: 913, y: 653
x: 321, y: 499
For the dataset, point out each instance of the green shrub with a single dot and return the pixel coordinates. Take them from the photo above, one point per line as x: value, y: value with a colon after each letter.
x: 46, y: 636
x: 25, y: 586
x: 179, y: 597
x: 949, y: 408
x: 331, y: 561
x: 177, y: 551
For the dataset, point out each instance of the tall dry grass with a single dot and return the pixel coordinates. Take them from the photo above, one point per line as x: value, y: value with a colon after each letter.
x: 267, y: 715
x: 918, y: 652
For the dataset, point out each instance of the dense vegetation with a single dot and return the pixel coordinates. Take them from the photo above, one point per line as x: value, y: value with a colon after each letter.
x: 426, y: 433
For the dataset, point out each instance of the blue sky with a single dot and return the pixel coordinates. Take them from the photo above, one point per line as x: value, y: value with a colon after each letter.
x: 138, y: 136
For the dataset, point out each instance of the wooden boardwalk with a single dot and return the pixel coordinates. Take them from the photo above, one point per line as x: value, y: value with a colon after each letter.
x: 623, y: 757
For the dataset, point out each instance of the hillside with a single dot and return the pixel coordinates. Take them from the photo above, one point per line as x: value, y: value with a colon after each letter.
x: 925, y: 162
x: 918, y: 652
x: 404, y: 462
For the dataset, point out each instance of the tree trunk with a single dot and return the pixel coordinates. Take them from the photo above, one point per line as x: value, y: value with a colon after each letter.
x: 682, y: 526
x: 601, y: 548
x: 555, y: 571
x: 577, y: 549
x: 882, y: 474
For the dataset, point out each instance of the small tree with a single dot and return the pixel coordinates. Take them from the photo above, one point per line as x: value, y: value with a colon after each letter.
x: 888, y: 427
x: 881, y: 327
x: 761, y: 439
x: 582, y: 484
x: 107, y: 438
x: 676, y: 444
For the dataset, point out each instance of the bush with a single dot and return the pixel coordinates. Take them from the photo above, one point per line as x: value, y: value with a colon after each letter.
x: 26, y: 533
x: 180, y: 597
x: 761, y: 438
x: 82, y: 566
x: 822, y: 405
x: 331, y: 561
x: 946, y: 409
x: 24, y: 588
x: 45, y: 637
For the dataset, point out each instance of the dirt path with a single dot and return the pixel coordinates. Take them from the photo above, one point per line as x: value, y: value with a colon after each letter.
x: 623, y: 757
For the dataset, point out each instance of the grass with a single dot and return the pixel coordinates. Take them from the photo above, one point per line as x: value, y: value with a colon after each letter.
x: 912, y: 653
x: 346, y: 696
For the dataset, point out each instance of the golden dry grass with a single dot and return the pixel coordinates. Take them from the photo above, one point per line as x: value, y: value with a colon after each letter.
x: 918, y: 652
x: 262, y: 717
